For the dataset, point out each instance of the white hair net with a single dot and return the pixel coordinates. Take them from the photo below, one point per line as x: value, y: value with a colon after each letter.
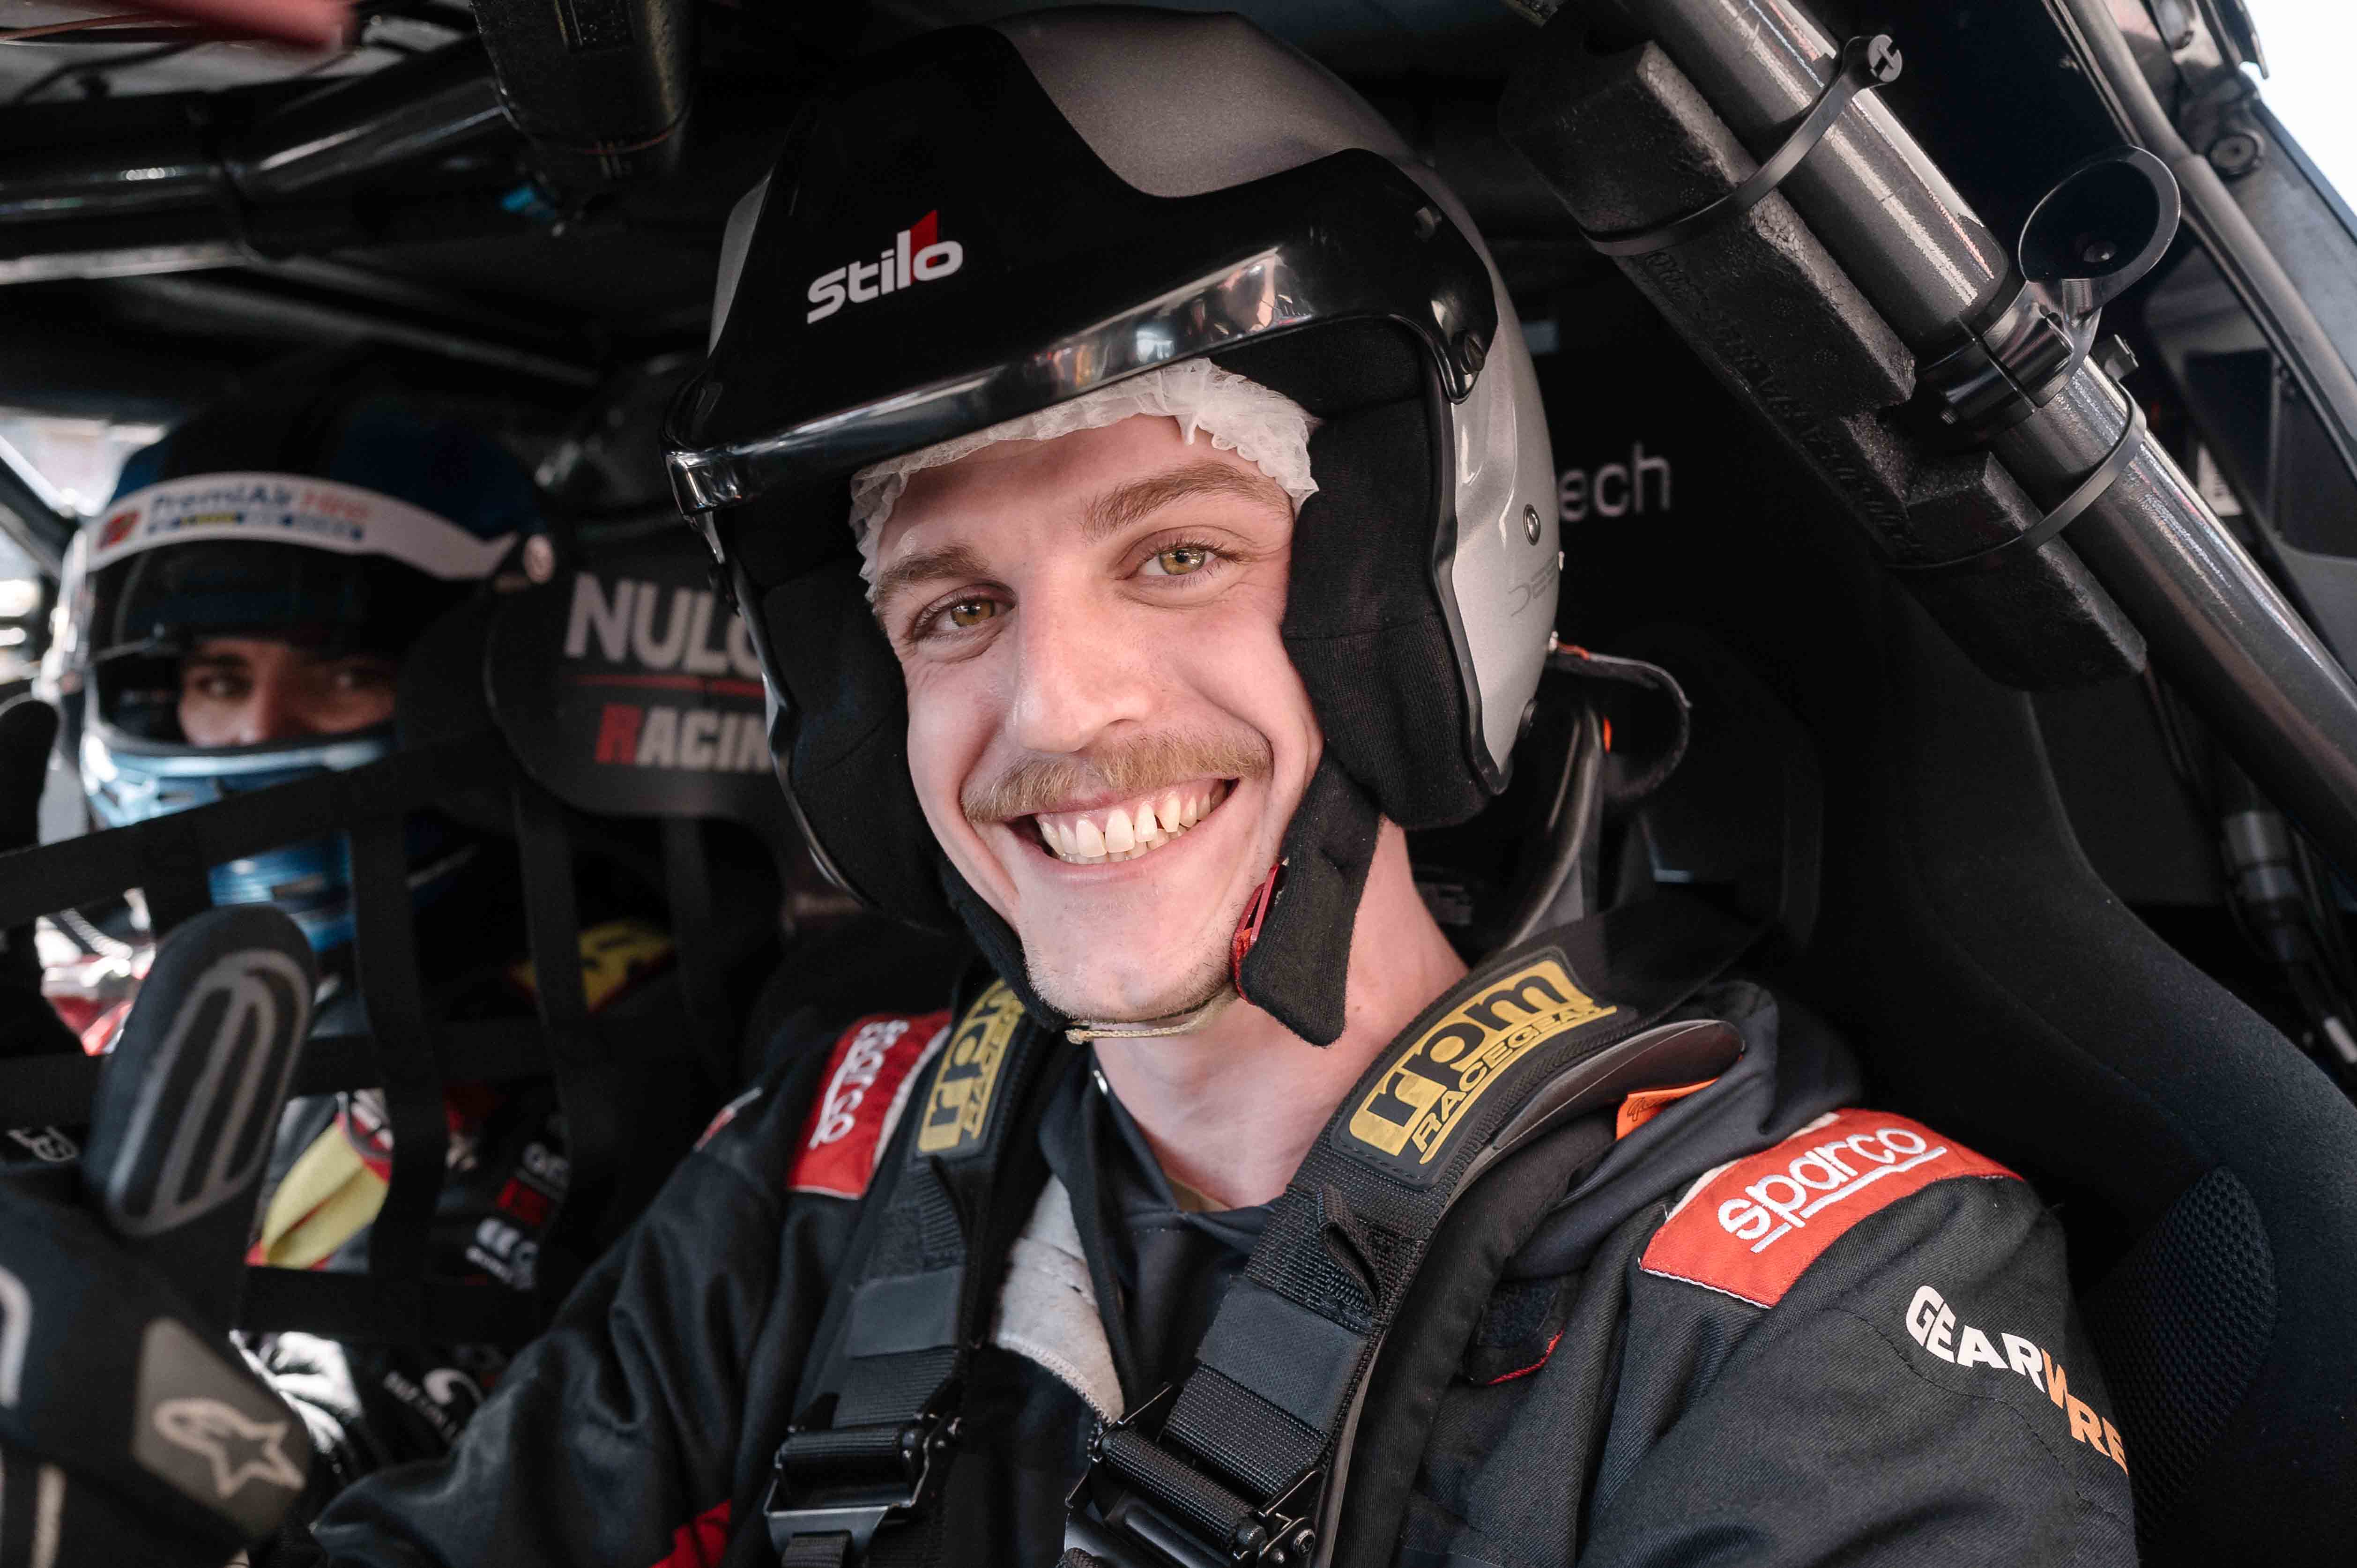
x: 1239, y: 414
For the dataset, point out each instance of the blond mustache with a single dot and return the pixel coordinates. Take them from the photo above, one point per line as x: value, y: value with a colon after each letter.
x: 1138, y: 767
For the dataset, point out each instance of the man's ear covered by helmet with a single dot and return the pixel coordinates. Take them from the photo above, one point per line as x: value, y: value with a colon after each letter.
x: 1129, y: 468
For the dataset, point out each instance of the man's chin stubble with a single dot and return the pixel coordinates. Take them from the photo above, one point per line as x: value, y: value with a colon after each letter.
x: 1077, y: 996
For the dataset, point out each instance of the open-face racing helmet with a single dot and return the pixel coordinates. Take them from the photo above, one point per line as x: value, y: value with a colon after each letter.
x: 990, y: 221
x: 326, y: 510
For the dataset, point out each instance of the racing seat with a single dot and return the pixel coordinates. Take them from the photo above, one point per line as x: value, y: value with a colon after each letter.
x: 2205, y: 1170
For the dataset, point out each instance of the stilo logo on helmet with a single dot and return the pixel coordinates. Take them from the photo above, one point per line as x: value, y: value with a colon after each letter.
x: 919, y: 255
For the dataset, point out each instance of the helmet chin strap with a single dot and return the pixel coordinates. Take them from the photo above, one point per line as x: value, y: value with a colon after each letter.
x: 1186, y: 1022
x: 1248, y: 927
x: 1291, y: 953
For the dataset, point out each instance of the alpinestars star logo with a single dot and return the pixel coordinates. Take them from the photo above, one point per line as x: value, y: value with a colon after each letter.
x: 238, y: 1449
x: 917, y: 254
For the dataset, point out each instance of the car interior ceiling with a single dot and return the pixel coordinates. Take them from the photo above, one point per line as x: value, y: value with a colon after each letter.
x: 2014, y: 904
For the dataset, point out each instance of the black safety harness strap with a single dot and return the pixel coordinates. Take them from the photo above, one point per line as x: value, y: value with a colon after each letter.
x: 878, y: 1409
x: 1231, y: 1466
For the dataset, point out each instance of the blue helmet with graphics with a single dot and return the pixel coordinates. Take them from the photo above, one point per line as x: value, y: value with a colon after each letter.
x: 236, y: 617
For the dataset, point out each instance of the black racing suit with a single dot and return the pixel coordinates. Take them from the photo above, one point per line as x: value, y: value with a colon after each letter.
x: 1758, y: 1328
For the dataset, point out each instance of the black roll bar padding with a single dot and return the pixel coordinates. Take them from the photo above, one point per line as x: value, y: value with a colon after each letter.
x: 1866, y: 64
x: 1997, y: 556
x: 2217, y: 624
x: 1623, y: 136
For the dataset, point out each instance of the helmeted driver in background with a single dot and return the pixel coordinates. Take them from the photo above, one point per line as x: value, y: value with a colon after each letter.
x: 238, y: 617
x: 1130, y: 467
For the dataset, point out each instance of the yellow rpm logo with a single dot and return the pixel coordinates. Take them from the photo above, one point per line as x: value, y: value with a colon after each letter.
x: 959, y: 1103
x: 1429, y: 1086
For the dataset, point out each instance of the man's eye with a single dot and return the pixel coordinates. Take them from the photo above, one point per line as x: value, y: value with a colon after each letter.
x: 362, y: 678
x: 972, y: 612
x: 1180, y: 560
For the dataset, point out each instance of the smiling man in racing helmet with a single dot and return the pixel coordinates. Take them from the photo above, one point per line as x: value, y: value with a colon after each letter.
x: 1128, y: 466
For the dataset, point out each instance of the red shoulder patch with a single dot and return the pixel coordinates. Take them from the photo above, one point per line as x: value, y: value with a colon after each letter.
x: 868, y: 1083
x: 1749, y: 1229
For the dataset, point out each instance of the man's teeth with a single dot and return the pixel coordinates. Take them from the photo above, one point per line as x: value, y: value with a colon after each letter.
x: 1130, y: 830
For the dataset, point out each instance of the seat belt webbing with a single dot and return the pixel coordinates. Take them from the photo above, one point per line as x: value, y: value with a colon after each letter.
x: 878, y: 1408
x: 1565, y: 1018
x: 1534, y: 1036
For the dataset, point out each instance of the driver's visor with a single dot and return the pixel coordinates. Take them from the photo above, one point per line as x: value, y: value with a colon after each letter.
x: 1350, y: 237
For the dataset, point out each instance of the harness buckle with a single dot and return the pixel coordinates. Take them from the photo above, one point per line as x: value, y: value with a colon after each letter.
x: 1139, y: 1506
x: 834, y: 1487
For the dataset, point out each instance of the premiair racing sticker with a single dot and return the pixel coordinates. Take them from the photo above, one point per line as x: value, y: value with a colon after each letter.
x: 1433, y: 1085
x: 293, y: 509
x: 1750, y: 1227
x: 957, y: 1107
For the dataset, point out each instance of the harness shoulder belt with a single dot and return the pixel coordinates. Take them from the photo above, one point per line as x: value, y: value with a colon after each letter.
x: 1234, y: 1465
x: 878, y: 1407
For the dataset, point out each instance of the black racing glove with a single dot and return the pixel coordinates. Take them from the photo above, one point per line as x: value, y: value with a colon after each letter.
x: 28, y: 1026
x: 130, y: 1430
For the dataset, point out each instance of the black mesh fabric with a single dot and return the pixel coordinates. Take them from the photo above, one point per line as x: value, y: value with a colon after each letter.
x: 2182, y: 1323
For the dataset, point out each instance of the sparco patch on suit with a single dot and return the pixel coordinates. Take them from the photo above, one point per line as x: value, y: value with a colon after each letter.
x: 860, y: 1102
x: 1749, y: 1229
x: 1434, y: 1083
x: 957, y: 1107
